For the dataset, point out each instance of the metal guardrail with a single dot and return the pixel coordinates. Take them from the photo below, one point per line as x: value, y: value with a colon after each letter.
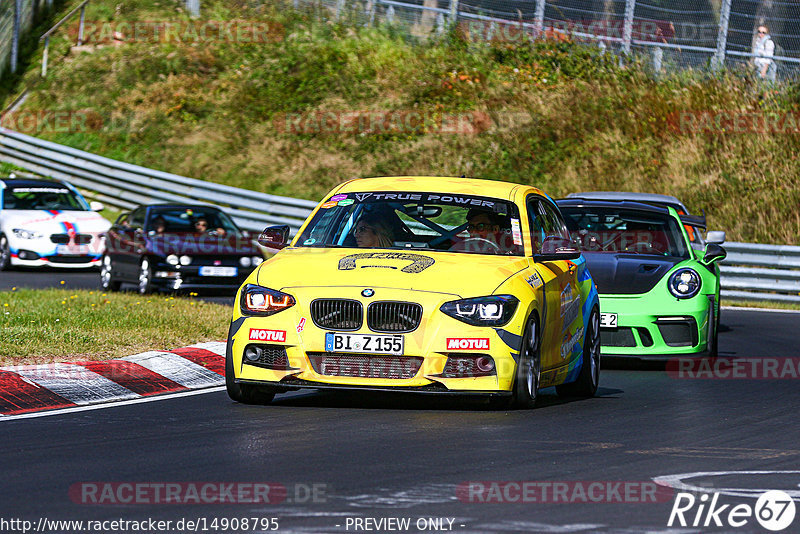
x: 761, y: 272
x: 750, y: 272
x: 124, y: 185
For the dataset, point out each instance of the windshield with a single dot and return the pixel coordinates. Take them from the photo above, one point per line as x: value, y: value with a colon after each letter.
x: 413, y: 220
x: 196, y: 220
x: 42, y: 197
x: 614, y: 230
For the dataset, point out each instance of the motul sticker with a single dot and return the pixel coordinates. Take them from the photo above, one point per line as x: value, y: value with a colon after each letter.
x: 259, y: 334
x: 468, y: 343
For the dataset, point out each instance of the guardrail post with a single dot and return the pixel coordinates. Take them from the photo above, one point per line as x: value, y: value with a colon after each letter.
x: 339, y: 8
x: 722, y: 35
x: 44, y: 56
x: 80, y: 26
x: 627, y: 30
x: 193, y: 6
x: 538, y: 18
x: 453, y: 12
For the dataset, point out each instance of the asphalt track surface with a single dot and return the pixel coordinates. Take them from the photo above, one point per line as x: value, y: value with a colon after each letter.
x: 377, y: 457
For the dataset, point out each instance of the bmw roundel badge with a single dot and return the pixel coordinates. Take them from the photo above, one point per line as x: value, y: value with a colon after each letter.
x: 367, y: 292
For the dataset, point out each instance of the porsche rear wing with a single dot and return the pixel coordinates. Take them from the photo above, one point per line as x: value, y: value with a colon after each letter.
x: 697, y: 221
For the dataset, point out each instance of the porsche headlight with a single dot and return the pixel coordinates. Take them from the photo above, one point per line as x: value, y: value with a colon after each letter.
x: 684, y: 283
x: 494, y: 310
x: 257, y: 300
x: 26, y: 234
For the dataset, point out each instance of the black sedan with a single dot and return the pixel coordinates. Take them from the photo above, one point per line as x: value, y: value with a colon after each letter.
x: 177, y: 247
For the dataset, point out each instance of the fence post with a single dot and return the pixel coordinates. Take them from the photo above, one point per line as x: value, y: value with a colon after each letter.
x: 15, y: 37
x: 627, y: 31
x: 193, y: 6
x: 722, y: 35
x: 44, y: 56
x: 339, y: 8
x: 453, y: 12
x: 80, y: 27
x: 538, y: 18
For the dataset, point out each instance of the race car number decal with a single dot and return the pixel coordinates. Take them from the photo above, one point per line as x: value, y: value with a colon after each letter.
x: 419, y: 262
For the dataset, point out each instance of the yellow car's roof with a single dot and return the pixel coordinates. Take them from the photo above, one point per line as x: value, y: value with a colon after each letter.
x: 434, y: 184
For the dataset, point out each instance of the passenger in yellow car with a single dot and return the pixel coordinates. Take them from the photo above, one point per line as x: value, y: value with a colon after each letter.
x: 372, y: 232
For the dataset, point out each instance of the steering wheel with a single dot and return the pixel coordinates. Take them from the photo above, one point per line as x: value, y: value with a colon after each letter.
x: 481, y: 240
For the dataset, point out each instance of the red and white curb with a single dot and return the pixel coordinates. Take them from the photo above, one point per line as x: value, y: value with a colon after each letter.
x: 32, y: 388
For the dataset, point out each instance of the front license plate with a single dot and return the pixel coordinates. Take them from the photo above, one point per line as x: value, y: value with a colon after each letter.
x: 363, y: 343
x: 218, y: 271
x: 72, y: 250
x: 608, y: 320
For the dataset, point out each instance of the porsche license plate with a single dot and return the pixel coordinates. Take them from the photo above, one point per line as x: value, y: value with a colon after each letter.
x: 218, y: 271
x: 364, y: 343
x: 608, y: 320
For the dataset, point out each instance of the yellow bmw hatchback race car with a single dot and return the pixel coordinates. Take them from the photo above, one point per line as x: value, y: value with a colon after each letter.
x: 417, y: 284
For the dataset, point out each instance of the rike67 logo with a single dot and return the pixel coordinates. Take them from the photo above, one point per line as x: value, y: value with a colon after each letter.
x: 774, y: 510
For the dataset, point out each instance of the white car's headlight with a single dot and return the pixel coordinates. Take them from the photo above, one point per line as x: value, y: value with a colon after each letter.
x: 26, y: 234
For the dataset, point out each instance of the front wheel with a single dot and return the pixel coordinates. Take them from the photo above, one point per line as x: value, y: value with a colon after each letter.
x: 145, y: 278
x: 5, y: 254
x: 244, y: 393
x: 529, y: 368
x: 589, y: 376
x: 107, y: 282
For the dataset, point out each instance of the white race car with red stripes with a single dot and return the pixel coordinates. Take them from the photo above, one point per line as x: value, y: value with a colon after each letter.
x: 45, y: 222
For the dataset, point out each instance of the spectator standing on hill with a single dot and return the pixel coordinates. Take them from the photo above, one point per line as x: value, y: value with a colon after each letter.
x: 764, y: 50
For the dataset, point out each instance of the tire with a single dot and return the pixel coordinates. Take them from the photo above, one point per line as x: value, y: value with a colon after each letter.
x: 5, y: 254
x: 145, y: 278
x: 529, y: 369
x: 713, y: 337
x: 589, y: 376
x: 107, y: 282
x: 244, y: 393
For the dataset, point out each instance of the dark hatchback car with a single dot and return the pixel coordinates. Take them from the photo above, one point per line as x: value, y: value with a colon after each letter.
x: 177, y: 247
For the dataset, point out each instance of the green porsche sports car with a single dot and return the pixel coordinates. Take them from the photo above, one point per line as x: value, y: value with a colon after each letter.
x: 659, y: 297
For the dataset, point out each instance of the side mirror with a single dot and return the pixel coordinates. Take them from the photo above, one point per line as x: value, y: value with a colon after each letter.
x: 96, y: 206
x: 716, y: 237
x: 714, y: 253
x: 276, y: 237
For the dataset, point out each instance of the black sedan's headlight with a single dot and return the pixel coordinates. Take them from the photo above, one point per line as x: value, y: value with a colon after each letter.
x: 257, y: 300
x: 494, y: 310
x: 684, y: 283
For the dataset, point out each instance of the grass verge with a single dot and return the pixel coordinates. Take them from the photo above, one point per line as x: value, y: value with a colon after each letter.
x: 54, y: 325
x: 761, y: 304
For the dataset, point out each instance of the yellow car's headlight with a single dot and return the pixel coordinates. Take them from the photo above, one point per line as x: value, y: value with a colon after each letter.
x: 257, y: 300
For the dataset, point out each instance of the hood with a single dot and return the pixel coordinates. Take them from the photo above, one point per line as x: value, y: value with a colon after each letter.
x: 624, y: 274
x: 55, y: 221
x: 465, y: 275
x: 205, y: 245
